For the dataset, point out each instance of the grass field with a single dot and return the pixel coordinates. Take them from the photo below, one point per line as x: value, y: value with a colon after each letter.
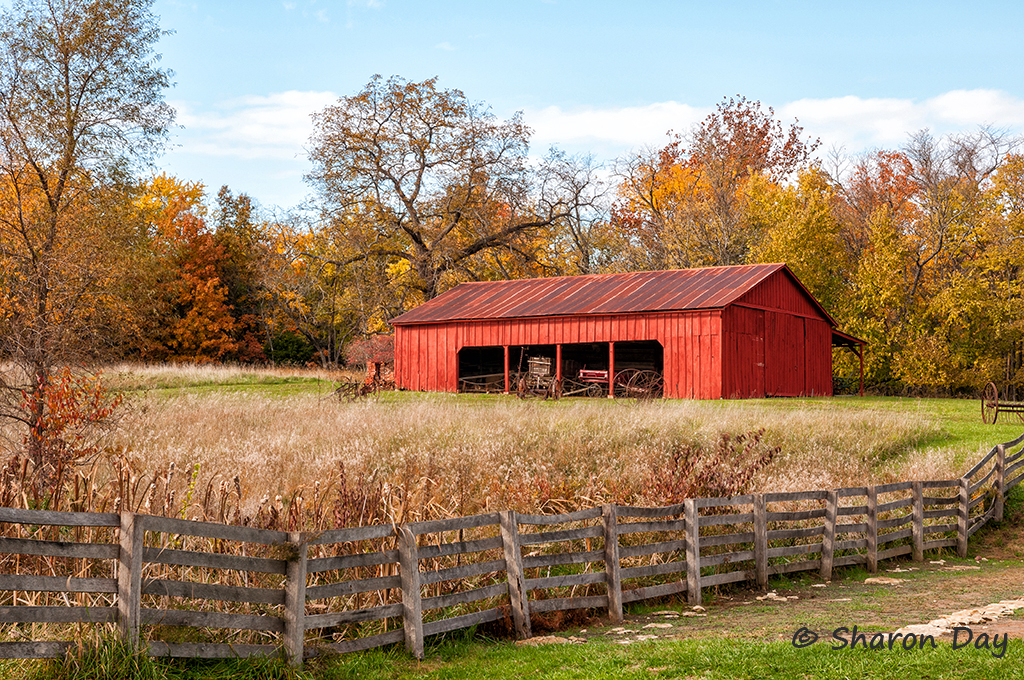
x: 424, y: 456
x: 229, y: 444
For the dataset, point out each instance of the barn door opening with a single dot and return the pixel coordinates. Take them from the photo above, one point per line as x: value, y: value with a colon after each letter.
x: 482, y: 369
x: 639, y: 368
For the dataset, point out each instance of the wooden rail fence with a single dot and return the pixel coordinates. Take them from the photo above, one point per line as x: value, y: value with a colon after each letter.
x: 301, y: 593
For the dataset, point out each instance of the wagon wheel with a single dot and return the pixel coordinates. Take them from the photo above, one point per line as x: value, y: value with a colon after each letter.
x: 990, y: 404
x: 623, y: 377
x: 521, y: 390
x: 645, y: 385
x: 597, y: 390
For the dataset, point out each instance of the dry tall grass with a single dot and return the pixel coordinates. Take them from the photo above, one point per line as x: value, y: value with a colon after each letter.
x: 245, y: 456
x: 436, y: 456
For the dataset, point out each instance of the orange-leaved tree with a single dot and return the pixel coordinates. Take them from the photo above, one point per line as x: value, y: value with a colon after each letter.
x: 81, y: 103
x: 685, y: 204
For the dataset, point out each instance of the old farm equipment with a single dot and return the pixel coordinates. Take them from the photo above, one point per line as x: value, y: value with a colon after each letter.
x: 991, y: 406
x: 637, y: 383
x: 538, y: 381
x: 487, y: 384
x: 379, y: 378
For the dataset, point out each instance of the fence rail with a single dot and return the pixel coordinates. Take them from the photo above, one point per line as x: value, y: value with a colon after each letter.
x: 352, y: 589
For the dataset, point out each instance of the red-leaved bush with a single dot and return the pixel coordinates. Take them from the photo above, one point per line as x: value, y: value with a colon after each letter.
x: 375, y: 349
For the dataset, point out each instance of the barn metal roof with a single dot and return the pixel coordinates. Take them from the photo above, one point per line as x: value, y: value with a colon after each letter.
x: 631, y: 292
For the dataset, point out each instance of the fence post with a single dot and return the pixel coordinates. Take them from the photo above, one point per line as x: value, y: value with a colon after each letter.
x: 295, y: 599
x: 963, y: 511
x: 761, y: 540
x: 412, y: 610
x: 129, y: 576
x: 872, y: 529
x: 917, y: 521
x: 828, y: 538
x: 692, y: 551
x: 514, y: 572
x: 1000, y: 482
x: 611, y: 561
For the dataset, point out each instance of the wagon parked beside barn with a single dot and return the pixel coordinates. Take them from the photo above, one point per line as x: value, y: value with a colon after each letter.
x: 716, y: 332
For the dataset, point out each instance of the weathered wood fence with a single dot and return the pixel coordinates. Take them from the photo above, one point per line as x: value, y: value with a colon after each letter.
x: 357, y: 588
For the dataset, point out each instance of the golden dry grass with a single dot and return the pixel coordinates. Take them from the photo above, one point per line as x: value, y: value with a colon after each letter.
x: 441, y: 455
x: 191, y: 430
x: 240, y: 445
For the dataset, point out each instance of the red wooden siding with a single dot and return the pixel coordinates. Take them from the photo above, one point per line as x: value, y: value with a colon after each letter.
x: 818, y: 337
x: 785, y: 360
x: 743, y: 353
x: 780, y: 292
x: 691, y: 343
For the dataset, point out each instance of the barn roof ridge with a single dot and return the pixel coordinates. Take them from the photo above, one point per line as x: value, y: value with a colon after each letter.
x: 599, y: 294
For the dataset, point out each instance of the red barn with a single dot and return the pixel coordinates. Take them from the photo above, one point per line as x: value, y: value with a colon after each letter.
x: 717, y: 332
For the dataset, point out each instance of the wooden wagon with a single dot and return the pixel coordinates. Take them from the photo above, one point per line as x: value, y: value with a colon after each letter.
x: 538, y: 381
x: 991, y: 406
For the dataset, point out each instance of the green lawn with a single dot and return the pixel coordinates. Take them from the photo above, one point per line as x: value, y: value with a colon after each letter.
x: 711, y: 659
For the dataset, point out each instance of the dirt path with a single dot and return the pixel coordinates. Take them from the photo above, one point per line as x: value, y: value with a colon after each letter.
x: 919, y: 592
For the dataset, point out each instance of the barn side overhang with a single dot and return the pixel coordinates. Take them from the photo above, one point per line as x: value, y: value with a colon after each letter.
x: 855, y: 345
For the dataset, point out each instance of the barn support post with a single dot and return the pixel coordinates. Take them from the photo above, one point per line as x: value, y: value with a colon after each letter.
x: 611, y: 370
x: 558, y: 363
x: 506, y: 368
x: 861, y: 355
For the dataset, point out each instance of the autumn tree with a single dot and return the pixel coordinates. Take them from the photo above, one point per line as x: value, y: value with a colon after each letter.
x: 239, y: 229
x: 81, y: 103
x: 799, y: 226
x: 921, y: 226
x: 585, y: 242
x: 200, y: 294
x: 316, y: 305
x: 685, y: 203
x: 435, y: 181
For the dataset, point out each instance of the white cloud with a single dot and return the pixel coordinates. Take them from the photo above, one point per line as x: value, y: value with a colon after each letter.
x: 863, y: 124
x: 609, y: 132
x: 446, y: 46
x: 856, y: 123
x: 276, y: 126
x: 259, y: 141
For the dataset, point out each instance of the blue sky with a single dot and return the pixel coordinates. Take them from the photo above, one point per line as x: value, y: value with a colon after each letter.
x: 590, y: 76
